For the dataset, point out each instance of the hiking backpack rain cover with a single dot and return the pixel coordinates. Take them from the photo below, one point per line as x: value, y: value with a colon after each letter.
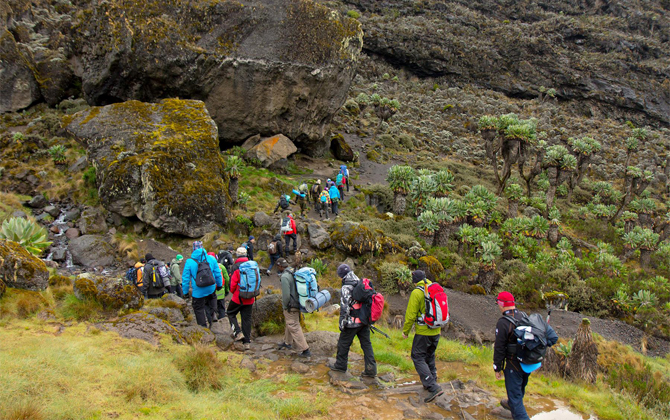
x: 531, y: 337
x: 250, y: 280
x: 437, y: 307
x: 372, y: 303
x: 204, y: 276
x: 286, y: 225
x: 305, y: 285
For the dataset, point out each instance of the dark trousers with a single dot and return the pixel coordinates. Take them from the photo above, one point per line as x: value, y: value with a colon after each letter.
x: 273, y: 259
x: 341, y: 188
x: 344, y: 344
x: 335, y: 209
x: 288, y: 241
x: 178, y: 290
x: 423, y: 356
x: 221, y: 308
x: 245, y: 311
x: 324, y: 209
x: 204, y: 308
x: 515, y: 383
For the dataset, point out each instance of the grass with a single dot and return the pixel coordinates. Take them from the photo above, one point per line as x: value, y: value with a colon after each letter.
x: 9, y: 203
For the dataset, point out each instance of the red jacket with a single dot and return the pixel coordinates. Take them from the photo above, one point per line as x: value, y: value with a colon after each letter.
x: 235, y: 284
x: 293, y: 228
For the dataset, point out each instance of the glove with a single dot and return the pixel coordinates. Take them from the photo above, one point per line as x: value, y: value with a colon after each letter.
x: 219, y: 288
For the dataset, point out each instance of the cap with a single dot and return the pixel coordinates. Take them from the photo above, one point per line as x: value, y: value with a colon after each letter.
x: 282, y: 262
x: 197, y: 245
x: 179, y: 257
x: 148, y: 257
x: 241, y: 252
x: 251, y: 237
x: 343, y: 270
x: 418, y: 275
x: 505, y: 298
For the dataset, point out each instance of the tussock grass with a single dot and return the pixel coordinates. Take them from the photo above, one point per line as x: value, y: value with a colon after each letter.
x: 80, y: 310
x: 201, y: 369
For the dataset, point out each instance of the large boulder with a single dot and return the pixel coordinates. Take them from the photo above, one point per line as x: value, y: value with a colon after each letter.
x: 112, y: 294
x: 92, y: 221
x: 21, y: 269
x: 196, y: 334
x: 354, y: 239
x: 271, y: 150
x: 322, y: 343
x: 341, y: 149
x: 159, y: 250
x: 18, y: 87
x: 159, y: 162
x: 265, y: 66
x: 262, y: 219
x: 268, y: 309
x: 318, y: 236
x: 142, y: 326
x: 91, y: 251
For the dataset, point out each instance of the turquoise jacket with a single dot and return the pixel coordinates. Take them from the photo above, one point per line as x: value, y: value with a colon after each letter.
x: 191, y: 270
x: 334, y: 193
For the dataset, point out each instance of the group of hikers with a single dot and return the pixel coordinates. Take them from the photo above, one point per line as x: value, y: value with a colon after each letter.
x: 324, y: 199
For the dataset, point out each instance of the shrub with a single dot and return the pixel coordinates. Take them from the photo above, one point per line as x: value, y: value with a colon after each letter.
x: 25, y: 410
x: 319, y: 266
x: 29, y: 304
x: 395, y: 277
x: 28, y: 234
x: 80, y: 310
x: 353, y: 14
x: 57, y: 153
x: 201, y: 368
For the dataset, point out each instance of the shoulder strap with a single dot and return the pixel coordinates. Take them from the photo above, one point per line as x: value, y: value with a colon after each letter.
x: 511, y: 319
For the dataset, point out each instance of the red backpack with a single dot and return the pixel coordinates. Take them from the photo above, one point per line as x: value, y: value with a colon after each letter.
x: 372, y: 303
x: 437, y: 307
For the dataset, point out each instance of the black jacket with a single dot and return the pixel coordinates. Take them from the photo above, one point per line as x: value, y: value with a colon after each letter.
x: 506, y: 337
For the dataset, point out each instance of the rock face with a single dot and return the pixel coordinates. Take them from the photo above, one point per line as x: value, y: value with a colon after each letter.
x: 20, y: 269
x: 318, y: 236
x: 159, y: 162
x: 18, y: 87
x: 322, y: 343
x: 91, y: 251
x: 265, y: 66
x: 341, y: 150
x: 92, y: 221
x: 271, y: 150
x: 142, y: 326
x: 354, y: 239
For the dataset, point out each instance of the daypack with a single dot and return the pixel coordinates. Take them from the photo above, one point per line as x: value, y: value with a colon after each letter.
x: 303, y: 188
x: 283, y: 202
x: 324, y: 197
x: 273, y: 248
x: 316, y: 188
x: 250, y: 280
x: 226, y: 259
x: 437, y: 307
x: 305, y: 285
x: 204, y: 276
x: 338, y: 180
x: 531, y: 337
x: 131, y: 275
x: 344, y: 171
x: 286, y: 225
x: 153, y: 274
x: 372, y: 303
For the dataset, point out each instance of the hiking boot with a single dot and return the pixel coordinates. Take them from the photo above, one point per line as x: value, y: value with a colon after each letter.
x: 239, y: 336
x: 247, y: 346
x: 283, y: 346
x: 433, y: 395
x: 505, y: 404
x: 267, y: 273
x: 305, y: 353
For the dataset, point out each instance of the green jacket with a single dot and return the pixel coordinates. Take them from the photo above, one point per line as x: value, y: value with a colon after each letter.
x: 175, y: 270
x: 221, y: 294
x: 289, y: 293
x: 415, y: 308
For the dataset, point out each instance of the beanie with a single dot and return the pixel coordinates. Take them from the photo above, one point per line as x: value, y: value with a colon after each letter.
x: 418, y: 275
x: 251, y: 238
x: 148, y: 257
x: 179, y: 257
x: 505, y: 298
x: 343, y: 270
x: 197, y: 245
x: 241, y: 252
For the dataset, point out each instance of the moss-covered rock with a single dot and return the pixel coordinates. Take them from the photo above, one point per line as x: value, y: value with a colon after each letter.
x: 84, y: 288
x: 3, y: 288
x: 142, y: 326
x: 112, y: 294
x: 196, y: 334
x: 354, y: 238
x: 159, y: 162
x: 18, y: 87
x: 433, y: 268
x: 21, y: 269
x: 268, y: 310
x: 341, y: 149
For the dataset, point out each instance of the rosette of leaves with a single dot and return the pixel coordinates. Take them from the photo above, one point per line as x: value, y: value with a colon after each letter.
x: 429, y: 224
x: 610, y: 264
x: 481, y: 203
x: 559, y: 164
x: 445, y: 209
x: 57, y: 153
x: 488, y: 126
x: 514, y: 193
x: 640, y: 134
x: 466, y: 235
x: 400, y: 179
x: 488, y: 252
x: 603, y: 211
x: 512, y: 227
x: 444, y: 182
x: 243, y: 199
x: 538, y: 227
x: 28, y: 234
x: 421, y: 188
x: 234, y: 165
x: 362, y: 100
x: 506, y: 120
x: 554, y: 222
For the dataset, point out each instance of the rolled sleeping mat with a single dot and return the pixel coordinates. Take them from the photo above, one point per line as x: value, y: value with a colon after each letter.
x: 321, y: 298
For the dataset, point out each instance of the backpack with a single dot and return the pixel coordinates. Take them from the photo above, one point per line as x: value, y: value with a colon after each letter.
x: 286, y: 225
x: 283, y: 202
x: 316, y: 188
x: 131, y: 276
x: 372, y: 303
x: 226, y: 259
x: 204, y: 276
x: 437, y: 307
x: 338, y: 180
x: 303, y: 188
x: 324, y: 197
x: 344, y: 171
x: 531, y: 338
x: 305, y: 285
x: 273, y: 248
x: 153, y: 273
x: 250, y: 280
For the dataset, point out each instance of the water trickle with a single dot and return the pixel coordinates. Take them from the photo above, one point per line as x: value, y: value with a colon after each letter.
x: 68, y: 259
x: 560, y: 414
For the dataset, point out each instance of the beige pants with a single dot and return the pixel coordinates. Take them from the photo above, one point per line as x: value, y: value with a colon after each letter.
x: 293, y: 332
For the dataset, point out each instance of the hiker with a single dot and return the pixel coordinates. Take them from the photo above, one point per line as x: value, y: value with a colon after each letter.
x: 329, y: 183
x: 301, y: 198
x: 275, y: 249
x: 135, y: 274
x: 249, y: 245
x: 290, y: 234
x: 156, y: 277
x: 425, y: 339
x: 339, y: 183
x: 226, y: 259
x: 203, y: 275
x: 314, y: 194
x: 284, y: 202
x: 293, y: 336
x: 351, y: 326
x: 222, y: 292
x: 505, y: 361
x: 345, y: 172
x: 175, y: 278
x: 238, y: 304
x: 334, y: 193
x: 324, y: 204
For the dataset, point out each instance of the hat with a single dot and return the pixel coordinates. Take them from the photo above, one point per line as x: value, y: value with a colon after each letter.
x: 318, y: 181
x: 179, y: 257
x: 282, y: 262
x: 148, y: 257
x: 197, y: 245
x: 241, y: 252
x: 343, y: 270
x: 251, y: 238
x: 505, y: 298
x: 418, y: 275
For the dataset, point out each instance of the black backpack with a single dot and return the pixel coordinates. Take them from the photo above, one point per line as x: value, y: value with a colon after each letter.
x: 204, y: 276
x: 153, y: 276
x: 531, y: 338
x: 226, y: 259
x: 283, y: 202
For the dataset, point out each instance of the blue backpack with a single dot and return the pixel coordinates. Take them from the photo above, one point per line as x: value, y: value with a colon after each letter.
x: 305, y: 285
x: 250, y: 280
x: 131, y: 276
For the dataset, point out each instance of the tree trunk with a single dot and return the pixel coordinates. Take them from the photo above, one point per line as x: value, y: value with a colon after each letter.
x: 583, y: 361
x: 233, y: 188
x: 645, y: 257
x: 645, y: 220
x: 399, y: 203
x: 551, y: 193
x: 552, y: 235
x: 428, y: 238
x: 512, y: 209
x: 486, y: 278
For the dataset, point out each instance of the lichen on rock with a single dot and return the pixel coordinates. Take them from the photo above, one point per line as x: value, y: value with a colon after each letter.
x: 20, y: 269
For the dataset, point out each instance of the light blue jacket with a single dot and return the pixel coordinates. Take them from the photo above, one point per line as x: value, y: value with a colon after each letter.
x: 334, y: 193
x: 191, y: 270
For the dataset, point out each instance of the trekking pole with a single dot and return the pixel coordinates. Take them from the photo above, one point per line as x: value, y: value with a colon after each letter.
x: 457, y: 399
x: 373, y: 329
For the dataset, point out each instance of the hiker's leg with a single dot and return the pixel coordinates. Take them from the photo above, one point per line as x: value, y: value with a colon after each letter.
x: 295, y: 242
x: 419, y: 355
x: 293, y: 334
x: 343, y: 344
x: 288, y: 242
x: 273, y: 259
x: 524, y: 382
x: 233, y: 310
x: 246, y: 322
x: 430, y: 358
x: 514, y: 386
x: 180, y: 292
x: 200, y: 311
x: 221, y: 308
x: 368, y: 354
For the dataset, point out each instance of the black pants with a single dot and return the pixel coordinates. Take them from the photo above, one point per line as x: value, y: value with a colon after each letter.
x: 205, y: 308
x: 178, y: 290
x: 288, y: 241
x: 335, y: 209
x: 515, y: 384
x: 423, y: 356
x: 344, y: 344
x: 221, y: 308
x: 245, y: 311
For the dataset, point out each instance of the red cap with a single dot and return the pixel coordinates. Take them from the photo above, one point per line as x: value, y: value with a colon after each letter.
x: 505, y: 297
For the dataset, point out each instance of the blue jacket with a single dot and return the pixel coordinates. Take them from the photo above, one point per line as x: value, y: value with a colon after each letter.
x: 334, y: 193
x: 191, y: 269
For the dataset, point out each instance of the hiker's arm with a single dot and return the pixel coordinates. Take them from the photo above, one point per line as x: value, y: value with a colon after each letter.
x: 226, y: 281
x: 276, y: 207
x: 412, y: 312
x: 344, y: 307
x: 216, y: 271
x: 285, y: 291
x: 186, y: 279
x: 500, y: 346
x: 235, y: 282
x: 552, y: 337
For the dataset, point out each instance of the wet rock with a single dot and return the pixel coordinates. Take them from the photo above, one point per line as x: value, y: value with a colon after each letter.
x: 91, y: 251
x: 92, y: 221
x: 52, y: 210
x: 345, y: 380
x: 59, y: 253
x: 142, y: 326
x: 18, y: 87
x: 21, y: 269
x: 72, y: 233
x: 410, y: 414
x: 300, y: 368
x: 261, y: 219
x: 501, y: 413
x: 171, y: 315
x: 341, y: 150
x: 387, y: 377
x: 139, y: 175
x: 322, y: 343
x: 318, y: 236
x: 248, y: 364
x: 54, y: 229
x: 197, y: 334
x: 37, y: 202
x: 271, y: 149
x: 72, y: 214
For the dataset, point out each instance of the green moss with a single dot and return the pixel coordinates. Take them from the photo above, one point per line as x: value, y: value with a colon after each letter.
x: 86, y: 288
x: 433, y: 268
x: 58, y: 280
x: 354, y: 238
